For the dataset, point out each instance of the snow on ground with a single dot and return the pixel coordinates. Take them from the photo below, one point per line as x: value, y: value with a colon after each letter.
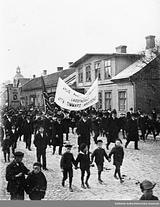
x: 137, y: 166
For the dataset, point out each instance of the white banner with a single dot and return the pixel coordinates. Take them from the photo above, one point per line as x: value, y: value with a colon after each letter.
x: 72, y: 100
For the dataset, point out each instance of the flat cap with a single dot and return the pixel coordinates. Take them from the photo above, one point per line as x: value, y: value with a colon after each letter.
x: 18, y: 154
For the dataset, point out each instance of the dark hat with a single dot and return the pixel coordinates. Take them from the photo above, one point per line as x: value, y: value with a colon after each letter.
x: 37, y: 164
x: 82, y: 146
x: 68, y: 145
x: 147, y: 185
x: 99, y: 140
x: 19, y: 154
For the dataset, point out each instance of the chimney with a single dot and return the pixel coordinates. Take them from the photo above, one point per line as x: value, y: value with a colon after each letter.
x: 44, y: 72
x: 121, y: 49
x: 150, y: 42
x: 34, y: 76
x: 59, y: 69
x: 70, y: 63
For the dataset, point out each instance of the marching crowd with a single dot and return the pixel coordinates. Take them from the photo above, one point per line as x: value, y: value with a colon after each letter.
x: 49, y: 130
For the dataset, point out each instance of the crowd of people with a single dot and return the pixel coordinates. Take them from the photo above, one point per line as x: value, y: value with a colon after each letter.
x: 53, y: 129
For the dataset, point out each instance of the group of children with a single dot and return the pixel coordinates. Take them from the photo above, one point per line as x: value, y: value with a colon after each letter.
x: 85, y: 161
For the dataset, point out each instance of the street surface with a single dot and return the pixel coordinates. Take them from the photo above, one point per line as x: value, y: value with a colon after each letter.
x: 137, y: 166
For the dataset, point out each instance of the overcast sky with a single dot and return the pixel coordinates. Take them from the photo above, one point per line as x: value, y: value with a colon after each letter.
x: 44, y: 34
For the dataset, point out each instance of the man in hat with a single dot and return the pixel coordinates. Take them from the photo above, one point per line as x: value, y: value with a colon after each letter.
x: 28, y: 131
x: 132, y: 131
x: 40, y: 143
x: 58, y: 134
x: 83, y: 131
x: 113, y: 128
x: 15, y: 175
x: 36, y: 183
x: 66, y: 163
x: 99, y: 153
x: 147, y: 189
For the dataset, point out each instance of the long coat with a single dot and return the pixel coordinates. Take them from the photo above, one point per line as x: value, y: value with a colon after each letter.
x: 132, y: 130
x: 83, y: 131
x: 40, y: 142
x: 16, y: 185
x: 113, y: 129
x: 57, y: 134
x: 27, y: 128
x: 66, y: 122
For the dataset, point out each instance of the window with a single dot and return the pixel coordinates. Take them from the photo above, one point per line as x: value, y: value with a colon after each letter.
x: 108, y: 99
x: 80, y: 75
x: 122, y: 100
x: 88, y: 73
x: 97, y: 67
x: 107, y: 69
x: 26, y: 100
x: 99, y: 104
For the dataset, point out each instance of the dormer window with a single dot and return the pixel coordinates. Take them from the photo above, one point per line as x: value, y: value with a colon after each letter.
x: 107, y: 69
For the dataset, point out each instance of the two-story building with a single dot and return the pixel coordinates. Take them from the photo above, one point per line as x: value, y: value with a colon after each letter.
x: 125, y: 80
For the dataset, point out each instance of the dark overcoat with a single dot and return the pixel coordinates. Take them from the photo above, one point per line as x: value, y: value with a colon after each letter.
x: 132, y: 130
x: 83, y: 131
x: 16, y: 185
x: 113, y: 129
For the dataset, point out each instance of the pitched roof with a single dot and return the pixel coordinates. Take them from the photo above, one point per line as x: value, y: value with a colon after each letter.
x: 22, y: 81
x: 133, y: 68
x: 49, y: 80
x: 89, y: 55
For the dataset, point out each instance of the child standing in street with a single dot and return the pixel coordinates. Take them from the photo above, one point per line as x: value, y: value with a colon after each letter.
x: 84, y: 160
x: 66, y: 163
x: 118, y: 155
x: 6, y: 144
x: 99, y: 155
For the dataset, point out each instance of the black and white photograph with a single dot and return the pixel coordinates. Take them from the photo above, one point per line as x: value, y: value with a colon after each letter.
x: 80, y: 102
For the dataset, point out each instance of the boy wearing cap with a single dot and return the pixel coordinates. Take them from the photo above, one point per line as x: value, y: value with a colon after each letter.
x: 15, y: 175
x: 6, y: 144
x: 147, y: 190
x: 66, y: 162
x: 99, y: 155
x: 36, y: 183
x: 84, y: 160
x: 118, y: 155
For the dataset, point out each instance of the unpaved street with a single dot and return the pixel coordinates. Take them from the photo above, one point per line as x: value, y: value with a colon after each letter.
x: 137, y: 166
